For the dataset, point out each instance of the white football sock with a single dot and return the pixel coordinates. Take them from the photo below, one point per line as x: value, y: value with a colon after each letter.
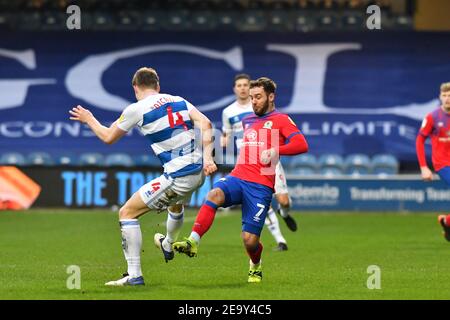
x: 274, y: 227
x: 194, y: 235
x: 255, y: 265
x: 173, y: 225
x: 131, y: 245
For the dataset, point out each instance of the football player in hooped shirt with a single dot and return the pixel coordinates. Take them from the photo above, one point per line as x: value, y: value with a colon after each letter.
x: 437, y: 126
x: 267, y: 135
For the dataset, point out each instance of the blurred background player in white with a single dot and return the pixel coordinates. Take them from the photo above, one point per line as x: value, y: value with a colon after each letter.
x: 436, y: 125
x: 168, y: 123
x: 232, y: 136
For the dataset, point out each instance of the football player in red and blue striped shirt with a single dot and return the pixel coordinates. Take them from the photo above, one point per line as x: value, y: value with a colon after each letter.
x: 436, y: 125
x: 267, y: 135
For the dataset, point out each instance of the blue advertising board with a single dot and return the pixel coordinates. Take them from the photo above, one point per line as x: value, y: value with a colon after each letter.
x: 87, y: 187
x: 394, y: 194
x: 348, y: 93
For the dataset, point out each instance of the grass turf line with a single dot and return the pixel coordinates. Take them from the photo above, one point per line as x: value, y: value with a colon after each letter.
x: 327, y: 258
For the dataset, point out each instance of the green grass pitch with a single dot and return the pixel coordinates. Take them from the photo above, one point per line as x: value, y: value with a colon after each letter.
x: 327, y: 258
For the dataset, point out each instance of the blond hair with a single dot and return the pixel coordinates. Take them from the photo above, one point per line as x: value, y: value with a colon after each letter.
x: 445, y: 87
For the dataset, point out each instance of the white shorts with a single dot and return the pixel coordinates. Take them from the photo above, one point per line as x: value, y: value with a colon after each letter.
x: 163, y: 191
x: 280, y: 179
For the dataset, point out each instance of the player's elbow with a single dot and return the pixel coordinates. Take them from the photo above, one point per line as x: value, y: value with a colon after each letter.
x: 109, y: 140
x: 420, y: 141
x: 302, y: 149
x: 206, y: 124
x: 303, y: 146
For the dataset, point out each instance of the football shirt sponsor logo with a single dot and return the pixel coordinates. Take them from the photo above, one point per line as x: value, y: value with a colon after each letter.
x: 252, y: 135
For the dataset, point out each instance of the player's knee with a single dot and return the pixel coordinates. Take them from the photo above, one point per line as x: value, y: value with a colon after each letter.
x: 176, y: 208
x: 125, y: 213
x: 216, y: 196
x: 250, y: 241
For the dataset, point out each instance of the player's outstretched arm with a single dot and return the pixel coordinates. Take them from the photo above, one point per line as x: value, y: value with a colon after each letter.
x: 297, y: 145
x: 425, y: 172
x: 202, y: 122
x: 107, y: 135
x: 424, y: 132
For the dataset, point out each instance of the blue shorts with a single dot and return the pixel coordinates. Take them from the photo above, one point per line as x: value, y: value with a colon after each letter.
x: 444, y: 174
x: 254, y: 197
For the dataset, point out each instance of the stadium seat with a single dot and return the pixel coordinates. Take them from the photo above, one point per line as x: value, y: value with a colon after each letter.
x: 5, y: 21
x: 129, y: 20
x: 66, y: 160
x: 29, y: 21
x: 331, y: 172
x: 13, y: 158
x: 303, y: 161
x: 303, y: 171
x: 328, y: 21
x: 252, y: 20
x: 384, y: 164
x: 91, y: 159
x: 203, y: 21
x: 227, y: 20
x: 286, y: 161
x: 118, y: 159
x: 280, y: 20
x: 403, y: 22
x: 357, y: 164
x: 40, y: 159
x: 177, y: 21
x: 103, y: 21
x: 153, y: 20
x: 331, y: 161
x: 353, y: 21
x: 304, y: 22
x: 146, y: 160
x: 53, y: 21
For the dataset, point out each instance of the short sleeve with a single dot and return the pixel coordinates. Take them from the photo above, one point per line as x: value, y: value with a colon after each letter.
x: 190, y: 106
x: 427, y: 126
x: 226, y: 125
x: 129, y: 118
